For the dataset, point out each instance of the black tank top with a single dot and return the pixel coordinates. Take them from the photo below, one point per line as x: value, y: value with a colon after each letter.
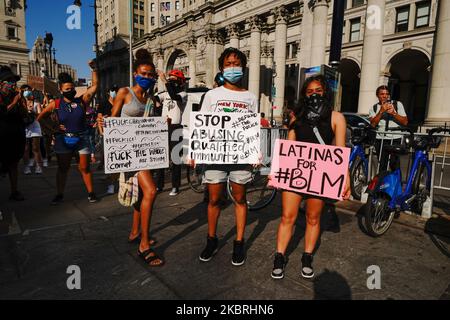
x: 304, y: 131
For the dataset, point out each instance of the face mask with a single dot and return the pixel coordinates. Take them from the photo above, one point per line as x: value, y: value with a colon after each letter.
x: 27, y: 94
x: 145, y: 83
x: 69, y: 95
x: 315, y: 107
x: 233, y: 75
x: 175, y: 85
x: 113, y: 94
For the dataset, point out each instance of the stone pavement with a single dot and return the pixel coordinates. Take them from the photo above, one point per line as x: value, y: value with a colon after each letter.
x: 38, y: 243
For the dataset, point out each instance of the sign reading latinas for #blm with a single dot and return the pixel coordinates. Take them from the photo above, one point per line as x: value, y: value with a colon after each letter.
x: 313, y: 169
x: 224, y: 138
x: 134, y: 144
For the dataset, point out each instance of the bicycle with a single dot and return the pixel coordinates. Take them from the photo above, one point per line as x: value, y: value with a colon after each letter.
x: 386, y: 196
x: 362, y: 137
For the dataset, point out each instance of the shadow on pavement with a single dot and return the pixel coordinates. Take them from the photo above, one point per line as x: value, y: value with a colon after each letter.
x: 330, y: 285
x: 438, y: 229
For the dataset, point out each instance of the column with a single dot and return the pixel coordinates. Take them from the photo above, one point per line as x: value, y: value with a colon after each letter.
x: 438, y: 110
x: 412, y: 16
x: 192, y: 43
x: 214, y: 48
x: 255, y: 55
x: 160, y: 66
x: 319, y: 40
x: 372, y: 53
x: 265, y: 99
x: 281, y: 19
x: 233, y: 31
x: 307, y: 34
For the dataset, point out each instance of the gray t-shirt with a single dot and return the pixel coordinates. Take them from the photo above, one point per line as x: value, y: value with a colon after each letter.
x: 385, y: 117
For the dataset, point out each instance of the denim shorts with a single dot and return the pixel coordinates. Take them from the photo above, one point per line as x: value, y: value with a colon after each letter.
x: 81, y: 148
x: 219, y: 173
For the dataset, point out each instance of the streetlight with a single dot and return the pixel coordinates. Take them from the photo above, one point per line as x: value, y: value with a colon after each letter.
x: 78, y: 4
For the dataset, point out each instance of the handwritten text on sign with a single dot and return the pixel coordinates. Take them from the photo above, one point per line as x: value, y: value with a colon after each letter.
x: 224, y: 138
x: 308, y: 168
x: 134, y: 144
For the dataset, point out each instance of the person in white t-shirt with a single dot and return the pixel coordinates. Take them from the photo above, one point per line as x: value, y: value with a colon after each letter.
x: 231, y: 97
x: 387, y: 114
x: 173, y: 102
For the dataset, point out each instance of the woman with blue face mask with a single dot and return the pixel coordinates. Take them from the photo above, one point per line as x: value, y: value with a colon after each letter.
x: 132, y: 102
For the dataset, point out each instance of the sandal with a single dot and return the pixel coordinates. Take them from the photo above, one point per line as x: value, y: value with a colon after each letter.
x: 149, y: 256
x: 137, y: 240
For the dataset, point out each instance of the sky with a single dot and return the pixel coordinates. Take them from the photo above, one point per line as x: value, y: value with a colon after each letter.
x: 74, y: 47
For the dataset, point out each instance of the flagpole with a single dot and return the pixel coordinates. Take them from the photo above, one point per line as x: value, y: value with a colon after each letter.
x: 131, y: 42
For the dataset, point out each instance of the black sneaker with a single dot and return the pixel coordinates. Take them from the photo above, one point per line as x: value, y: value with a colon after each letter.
x: 238, y: 258
x: 278, y: 266
x: 92, y: 198
x: 57, y: 199
x: 307, y: 269
x: 210, y: 249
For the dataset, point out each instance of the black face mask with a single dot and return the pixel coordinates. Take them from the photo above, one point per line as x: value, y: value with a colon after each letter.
x: 315, y: 108
x: 70, y: 95
x: 176, y: 86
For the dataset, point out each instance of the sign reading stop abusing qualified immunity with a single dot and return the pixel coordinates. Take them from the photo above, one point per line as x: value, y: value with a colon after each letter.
x: 308, y: 168
x: 224, y: 138
x: 134, y: 144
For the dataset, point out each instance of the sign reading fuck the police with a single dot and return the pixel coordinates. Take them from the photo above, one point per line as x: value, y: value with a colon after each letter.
x: 224, y: 138
x: 134, y: 144
x: 313, y: 169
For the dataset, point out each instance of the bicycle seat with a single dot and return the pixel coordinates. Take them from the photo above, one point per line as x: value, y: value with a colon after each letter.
x: 397, y: 149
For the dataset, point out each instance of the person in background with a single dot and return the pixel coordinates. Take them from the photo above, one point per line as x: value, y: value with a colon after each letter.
x: 264, y: 122
x: 173, y: 103
x: 33, y: 133
x: 12, y: 129
x: 91, y: 123
x: 71, y: 136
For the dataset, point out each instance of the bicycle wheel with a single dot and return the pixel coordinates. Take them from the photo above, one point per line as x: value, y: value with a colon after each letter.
x: 358, y: 178
x: 420, y: 189
x: 258, y: 194
x: 195, y: 177
x: 378, y: 215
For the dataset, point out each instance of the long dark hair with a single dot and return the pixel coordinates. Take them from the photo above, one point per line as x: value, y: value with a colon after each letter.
x: 301, y: 104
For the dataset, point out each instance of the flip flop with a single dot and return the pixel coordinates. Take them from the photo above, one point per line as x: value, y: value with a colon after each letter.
x: 148, y: 258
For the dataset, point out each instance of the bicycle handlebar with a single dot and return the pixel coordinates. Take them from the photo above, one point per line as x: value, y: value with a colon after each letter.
x: 438, y: 130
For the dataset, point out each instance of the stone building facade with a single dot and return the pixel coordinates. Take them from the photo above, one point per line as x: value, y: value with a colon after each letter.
x: 385, y: 42
x: 13, y: 44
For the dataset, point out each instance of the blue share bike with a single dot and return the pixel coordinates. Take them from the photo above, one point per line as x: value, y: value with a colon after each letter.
x: 363, y: 136
x: 385, y: 191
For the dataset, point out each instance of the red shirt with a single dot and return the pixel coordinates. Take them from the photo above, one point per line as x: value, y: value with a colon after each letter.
x: 265, y: 123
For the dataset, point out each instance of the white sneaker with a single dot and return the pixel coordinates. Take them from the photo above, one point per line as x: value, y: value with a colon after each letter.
x: 31, y: 163
x: 27, y: 170
x: 110, y: 189
x: 45, y: 163
x: 174, y: 192
x: 38, y: 170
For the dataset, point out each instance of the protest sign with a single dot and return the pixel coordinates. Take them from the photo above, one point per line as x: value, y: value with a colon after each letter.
x: 224, y: 138
x: 308, y: 168
x: 134, y: 144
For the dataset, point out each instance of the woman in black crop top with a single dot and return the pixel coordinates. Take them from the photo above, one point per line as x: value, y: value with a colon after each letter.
x: 315, y: 110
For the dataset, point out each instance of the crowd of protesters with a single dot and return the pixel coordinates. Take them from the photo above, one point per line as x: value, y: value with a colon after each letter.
x: 68, y: 126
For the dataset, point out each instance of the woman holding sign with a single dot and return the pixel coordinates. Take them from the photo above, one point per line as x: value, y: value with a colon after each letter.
x: 132, y: 102
x: 71, y: 136
x: 315, y: 122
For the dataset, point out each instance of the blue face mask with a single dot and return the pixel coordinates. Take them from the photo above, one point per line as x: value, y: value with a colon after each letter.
x: 145, y: 83
x: 113, y: 94
x: 233, y: 75
x: 27, y: 94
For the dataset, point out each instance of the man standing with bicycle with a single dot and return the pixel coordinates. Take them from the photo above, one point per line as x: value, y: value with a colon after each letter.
x: 387, y: 114
x: 232, y: 62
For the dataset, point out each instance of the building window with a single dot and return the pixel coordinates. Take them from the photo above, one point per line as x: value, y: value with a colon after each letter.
x: 402, y: 19
x: 11, y: 32
x: 141, y: 5
x: 177, y: 5
x: 152, y: 21
x: 141, y: 33
x: 423, y: 14
x: 141, y: 19
x: 355, y: 29
x: 136, y: 4
x: 167, y: 19
x: 136, y: 18
x: 152, y: 7
x: 356, y: 3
